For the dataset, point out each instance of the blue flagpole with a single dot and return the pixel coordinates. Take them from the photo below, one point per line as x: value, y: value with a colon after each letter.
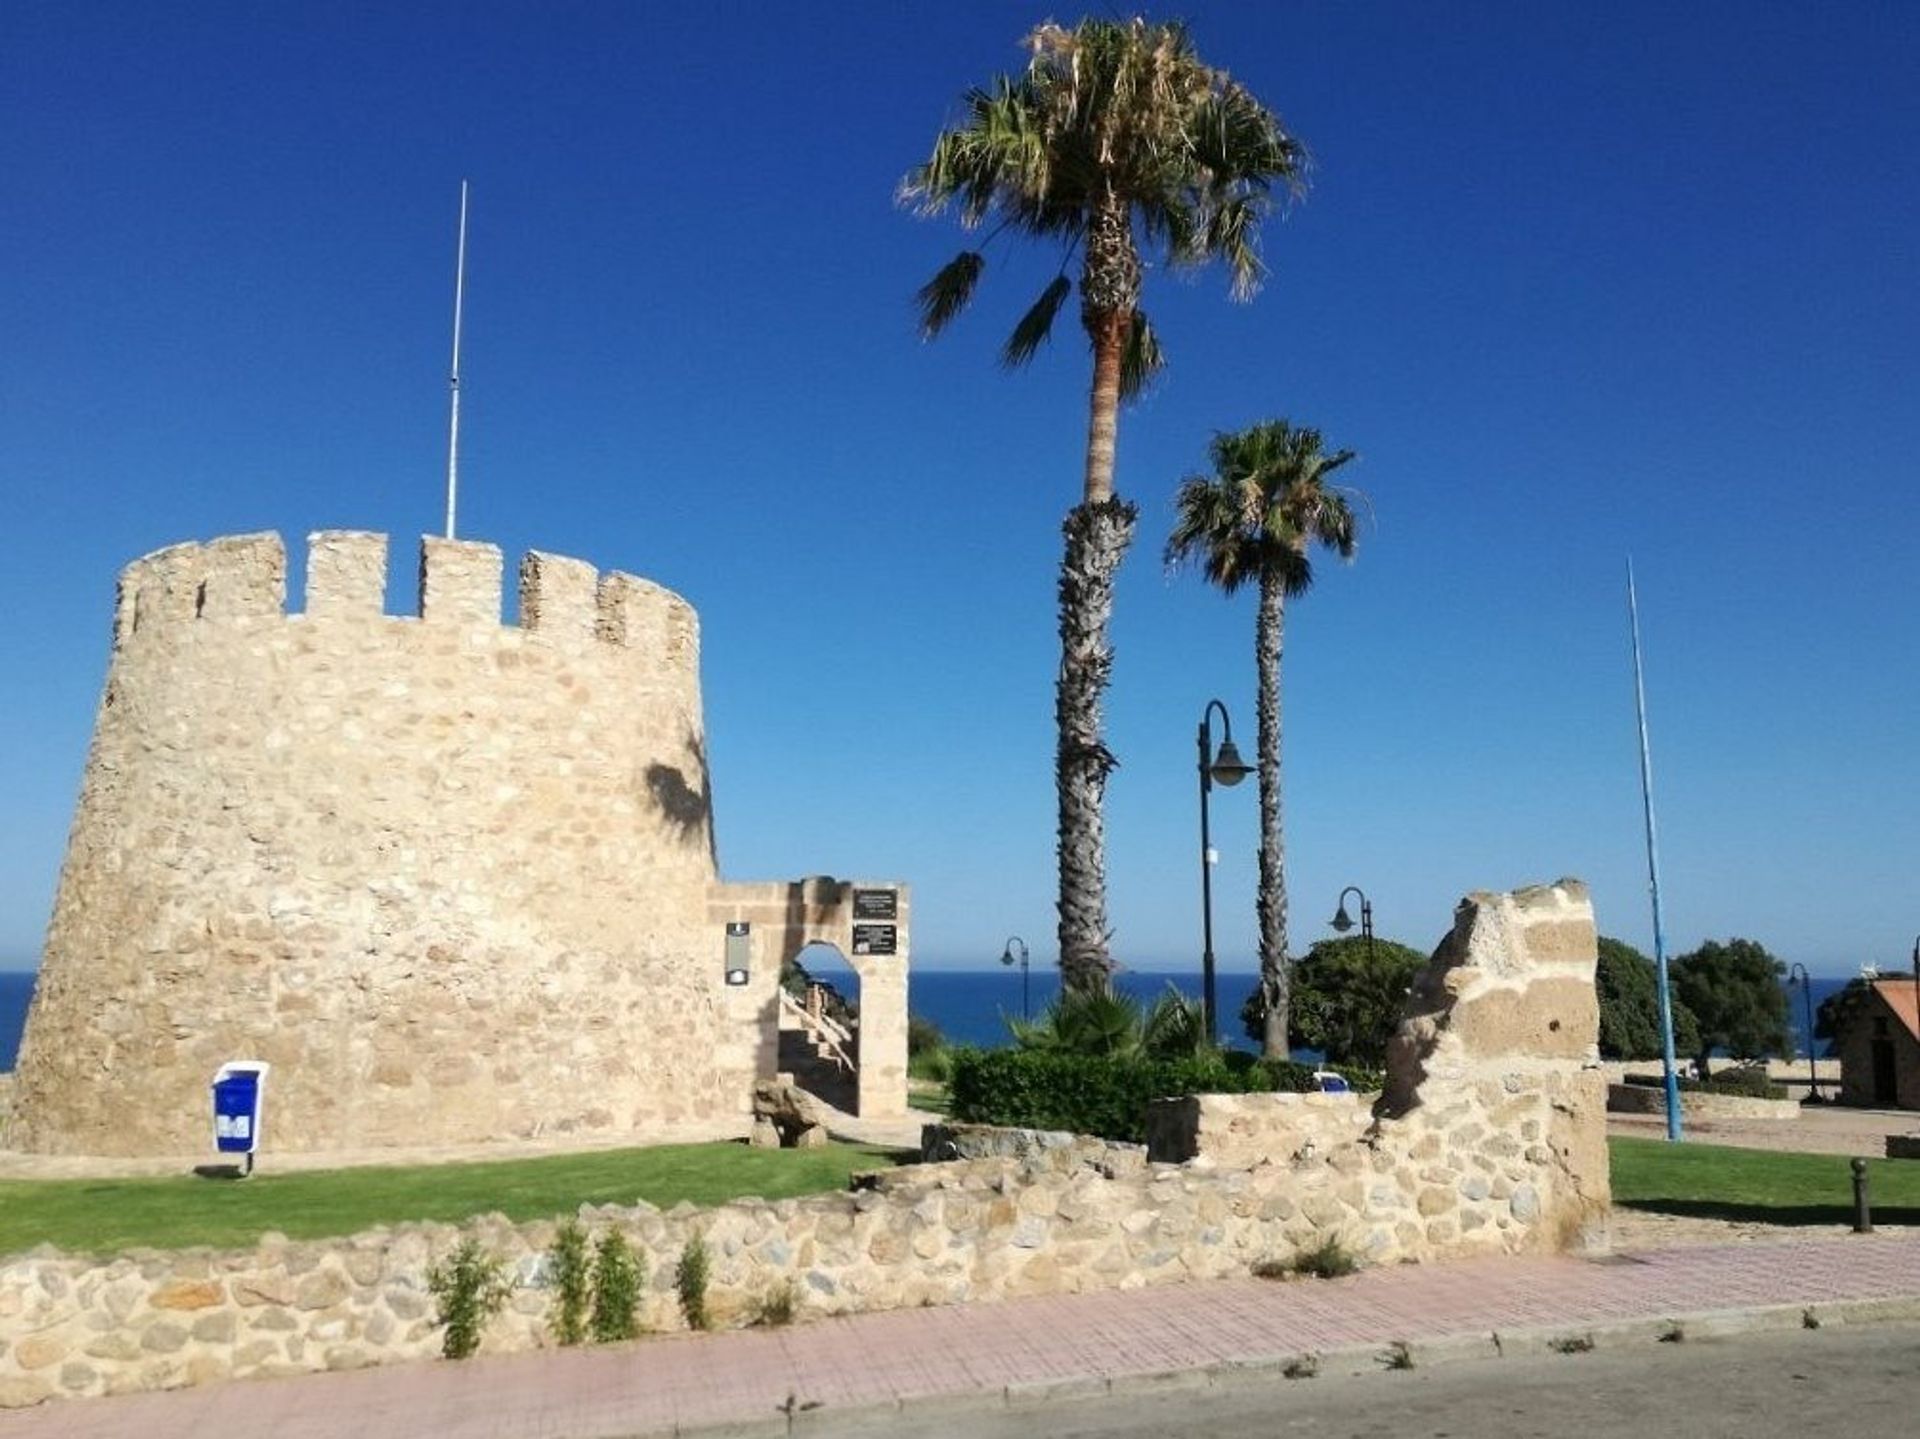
x: 1653, y: 872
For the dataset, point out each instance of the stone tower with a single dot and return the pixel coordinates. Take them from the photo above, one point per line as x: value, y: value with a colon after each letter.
x: 450, y: 877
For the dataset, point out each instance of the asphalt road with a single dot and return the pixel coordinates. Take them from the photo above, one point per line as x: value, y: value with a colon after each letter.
x: 1851, y: 1384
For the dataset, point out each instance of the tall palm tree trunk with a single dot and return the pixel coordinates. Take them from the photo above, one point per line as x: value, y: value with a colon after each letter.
x: 1097, y: 536
x: 1269, y: 634
x: 1098, y: 532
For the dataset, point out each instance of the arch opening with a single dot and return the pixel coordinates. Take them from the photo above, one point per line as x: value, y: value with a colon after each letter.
x: 820, y: 1024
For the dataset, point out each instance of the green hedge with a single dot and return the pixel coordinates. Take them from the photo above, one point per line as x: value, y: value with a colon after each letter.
x: 1108, y: 1095
x: 1743, y: 1083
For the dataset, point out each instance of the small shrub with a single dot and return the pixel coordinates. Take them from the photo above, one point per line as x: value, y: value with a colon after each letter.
x: 777, y: 1306
x: 1301, y: 1366
x: 1329, y: 1259
x: 1671, y: 1334
x: 1572, y: 1344
x: 690, y: 1280
x: 616, y: 1289
x: 1808, y: 1319
x: 923, y: 1036
x: 1397, y: 1355
x: 471, y: 1287
x: 571, y: 1281
x: 935, y: 1065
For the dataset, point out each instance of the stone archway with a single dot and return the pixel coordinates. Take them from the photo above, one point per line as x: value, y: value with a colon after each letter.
x: 763, y: 926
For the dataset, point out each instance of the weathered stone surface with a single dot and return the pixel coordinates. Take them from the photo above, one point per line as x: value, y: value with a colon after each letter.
x: 188, y: 1294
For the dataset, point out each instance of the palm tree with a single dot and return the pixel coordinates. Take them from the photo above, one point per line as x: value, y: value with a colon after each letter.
x: 1254, y: 519
x: 1115, y: 138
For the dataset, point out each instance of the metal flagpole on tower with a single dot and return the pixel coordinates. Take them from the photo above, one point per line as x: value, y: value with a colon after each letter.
x: 1653, y: 872
x: 453, y: 423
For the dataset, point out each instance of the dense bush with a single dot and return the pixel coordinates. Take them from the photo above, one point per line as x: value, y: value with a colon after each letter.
x: 1628, y: 988
x: 1346, y: 997
x: 1734, y: 992
x: 1107, y: 1095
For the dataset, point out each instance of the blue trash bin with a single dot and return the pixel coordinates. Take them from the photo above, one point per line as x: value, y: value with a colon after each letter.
x: 239, y: 1094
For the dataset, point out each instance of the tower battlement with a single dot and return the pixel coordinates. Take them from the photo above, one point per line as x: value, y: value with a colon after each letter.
x: 242, y: 579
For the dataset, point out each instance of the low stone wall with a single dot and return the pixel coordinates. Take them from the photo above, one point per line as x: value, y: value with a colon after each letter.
x: 1490, y: 1138
x: 1049, y: 1148
x: 1698, y: 1104
x: 1241, y: 1130
x: 1903, y: 1146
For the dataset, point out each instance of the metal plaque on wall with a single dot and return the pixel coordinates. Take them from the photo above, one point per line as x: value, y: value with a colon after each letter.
x: 873, y: 939
x: 876, y: 904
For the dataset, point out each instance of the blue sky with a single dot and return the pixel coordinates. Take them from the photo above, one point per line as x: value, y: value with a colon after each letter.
x: 1576, y: 281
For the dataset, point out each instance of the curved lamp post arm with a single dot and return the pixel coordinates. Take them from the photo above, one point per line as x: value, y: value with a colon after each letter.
x: 1007, y: 955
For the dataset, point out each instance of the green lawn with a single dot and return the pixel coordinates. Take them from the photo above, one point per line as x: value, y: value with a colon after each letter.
x: 1717, y: 1182
x: 105, y: 1215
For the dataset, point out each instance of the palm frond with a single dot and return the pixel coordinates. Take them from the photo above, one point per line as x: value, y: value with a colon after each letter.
x: 948, y: 292
x: 1036, y: 325
x: 1142, y: 360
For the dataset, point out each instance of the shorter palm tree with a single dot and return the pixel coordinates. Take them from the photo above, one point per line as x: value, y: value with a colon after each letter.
x: 1254, y: 520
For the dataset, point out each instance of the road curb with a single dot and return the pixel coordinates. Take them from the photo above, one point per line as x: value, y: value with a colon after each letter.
x: 1572, y: 1337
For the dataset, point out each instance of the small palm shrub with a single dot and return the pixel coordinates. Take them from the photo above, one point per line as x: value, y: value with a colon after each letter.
x: 1083, y: 1021
x: 471, y: 1287
x: 571, y: 1282
x: 616, y: 1289
x: 690, y: 1278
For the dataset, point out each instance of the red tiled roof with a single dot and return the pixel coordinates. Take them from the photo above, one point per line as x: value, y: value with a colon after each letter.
x: 1899, y: 996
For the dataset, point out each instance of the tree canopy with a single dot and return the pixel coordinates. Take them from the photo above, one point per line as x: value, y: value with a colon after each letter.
x: 1837, y: 1010
x: 1735, y: 994
x: 1345, y: 1002
x: 1628, y: 987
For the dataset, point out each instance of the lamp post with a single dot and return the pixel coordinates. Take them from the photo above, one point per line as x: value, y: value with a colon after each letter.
x: 1342, y: 921
x: 1797, y: 974
x: 1228, y: 769
x: 1006, y: 957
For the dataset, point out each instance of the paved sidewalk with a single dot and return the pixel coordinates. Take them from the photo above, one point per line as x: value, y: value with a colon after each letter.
x: 1016, y: 1349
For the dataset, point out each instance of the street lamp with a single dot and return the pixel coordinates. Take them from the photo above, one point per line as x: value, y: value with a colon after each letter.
x: 1342, y: 921
x: 1797, y: 974
x: 1228, y: 769
x: 1006, y: 957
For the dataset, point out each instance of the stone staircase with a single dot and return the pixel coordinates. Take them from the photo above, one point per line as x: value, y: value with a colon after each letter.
x: 818, y: 1051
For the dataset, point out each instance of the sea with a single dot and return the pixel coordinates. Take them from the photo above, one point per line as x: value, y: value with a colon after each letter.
x: 968, y: 1006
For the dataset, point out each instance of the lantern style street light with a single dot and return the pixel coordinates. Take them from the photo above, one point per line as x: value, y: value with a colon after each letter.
x: 1797, y: 974
x: 1342, y: 921
x: 1226, y: 768
x: 1014, y: 942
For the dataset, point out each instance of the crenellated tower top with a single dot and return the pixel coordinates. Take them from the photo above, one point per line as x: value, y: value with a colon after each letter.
x: 242, y: 579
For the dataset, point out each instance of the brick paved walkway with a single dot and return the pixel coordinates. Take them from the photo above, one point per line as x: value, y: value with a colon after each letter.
x: 660, y: 1384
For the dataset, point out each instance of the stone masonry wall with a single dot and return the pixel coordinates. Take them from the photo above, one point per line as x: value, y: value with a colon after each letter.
x: 448, y: 876
x: 1644, y: 1099
x: 1492, y: 1139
